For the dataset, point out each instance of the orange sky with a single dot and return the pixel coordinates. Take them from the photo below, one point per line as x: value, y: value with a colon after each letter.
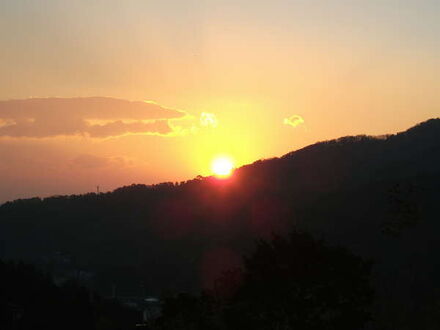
x: 249, y: 79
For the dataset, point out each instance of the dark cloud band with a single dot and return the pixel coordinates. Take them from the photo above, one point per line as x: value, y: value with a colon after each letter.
x: 49, y: 117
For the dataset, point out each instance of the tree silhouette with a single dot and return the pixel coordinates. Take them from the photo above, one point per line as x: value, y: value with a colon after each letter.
x: 301, y: 283
x: 186, y: 311
x: 287, y: 283
x: 29, y: 300
x: 337, y: 189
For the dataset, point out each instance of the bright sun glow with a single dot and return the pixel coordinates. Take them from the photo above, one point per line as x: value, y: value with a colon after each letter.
x: 222, y: 166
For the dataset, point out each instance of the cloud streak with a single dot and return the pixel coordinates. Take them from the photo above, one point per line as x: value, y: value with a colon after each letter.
x: 208, y: 120
x: 293, y: 121
x: 90, y: 161
x: 97, y: 117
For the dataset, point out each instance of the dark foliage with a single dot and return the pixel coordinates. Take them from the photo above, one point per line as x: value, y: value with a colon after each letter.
x: 187, y: 311
x: 301, y: 283
x: 29, y: 300
x: 287, y: 283
x: 169, y: 237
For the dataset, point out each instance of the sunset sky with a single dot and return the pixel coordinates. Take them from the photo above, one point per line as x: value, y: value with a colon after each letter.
x: 114, y: 92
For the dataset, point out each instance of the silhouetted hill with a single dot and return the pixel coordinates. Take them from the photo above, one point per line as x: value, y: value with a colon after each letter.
x: 378, y: 196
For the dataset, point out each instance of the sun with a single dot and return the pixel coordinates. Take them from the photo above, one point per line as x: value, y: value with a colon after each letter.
x: 222, y: 166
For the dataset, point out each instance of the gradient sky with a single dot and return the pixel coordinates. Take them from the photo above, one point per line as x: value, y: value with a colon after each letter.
x: 245, y: 78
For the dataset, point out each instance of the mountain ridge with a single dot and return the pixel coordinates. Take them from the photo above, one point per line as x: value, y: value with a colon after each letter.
x: 377, y: 196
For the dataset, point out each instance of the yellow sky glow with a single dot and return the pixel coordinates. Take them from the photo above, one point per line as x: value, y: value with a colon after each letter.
x: 247, y: 79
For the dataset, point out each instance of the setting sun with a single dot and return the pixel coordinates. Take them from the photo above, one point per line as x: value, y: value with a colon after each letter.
x: 222, y: 166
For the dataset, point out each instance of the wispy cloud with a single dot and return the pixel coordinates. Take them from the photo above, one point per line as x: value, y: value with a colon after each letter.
x: 294, y: 120
x: 190, y: 124
x: 208, y: 120
x: 90, y: 161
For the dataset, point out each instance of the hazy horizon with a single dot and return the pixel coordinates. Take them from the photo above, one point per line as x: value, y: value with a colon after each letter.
x: 88, y: 161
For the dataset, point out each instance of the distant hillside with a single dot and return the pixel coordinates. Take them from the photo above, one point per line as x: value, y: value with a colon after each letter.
x: 378, y: 196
